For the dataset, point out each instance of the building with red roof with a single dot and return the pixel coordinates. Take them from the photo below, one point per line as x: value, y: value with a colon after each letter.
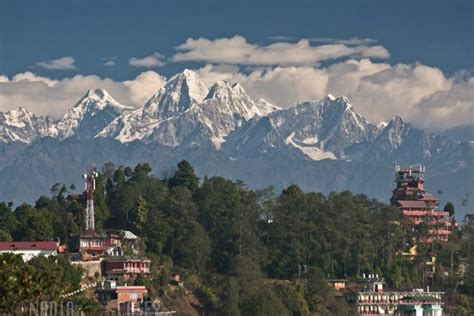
x: 30, y: 249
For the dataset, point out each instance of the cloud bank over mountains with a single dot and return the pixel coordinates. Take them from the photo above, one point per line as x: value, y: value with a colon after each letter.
x: 284, y: 72
x: 238, y: 51
x: 45, y: 96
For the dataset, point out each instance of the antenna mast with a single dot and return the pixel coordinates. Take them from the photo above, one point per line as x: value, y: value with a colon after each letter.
x: 90, y: 177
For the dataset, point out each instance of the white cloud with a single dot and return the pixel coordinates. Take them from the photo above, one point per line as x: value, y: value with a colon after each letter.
x: 54, y: 97
x: 154, y: 60
x: 63, y: 63
x: 236, y: 50
x: 109, y: 61
x: 351, y: 41
x: 31, y: 77
x: 448, y: 108
x: 144, y: 86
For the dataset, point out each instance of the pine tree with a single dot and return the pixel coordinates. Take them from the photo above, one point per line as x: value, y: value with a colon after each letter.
x: 185, y: 176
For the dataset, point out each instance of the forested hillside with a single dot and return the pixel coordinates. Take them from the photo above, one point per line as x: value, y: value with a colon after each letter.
x: 240, y: 251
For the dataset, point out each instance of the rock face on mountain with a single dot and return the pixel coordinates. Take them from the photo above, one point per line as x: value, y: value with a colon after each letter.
x: 322, y: 145
x: 23, y: 126
x: 326, y: 129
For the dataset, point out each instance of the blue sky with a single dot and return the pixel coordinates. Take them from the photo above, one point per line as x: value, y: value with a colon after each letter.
x: 60, y: 39
x: 436, y: 33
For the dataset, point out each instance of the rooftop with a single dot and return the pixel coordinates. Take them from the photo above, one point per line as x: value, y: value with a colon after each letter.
x: 129, y: 235
x: 28, y: 245
x: 414, y: 204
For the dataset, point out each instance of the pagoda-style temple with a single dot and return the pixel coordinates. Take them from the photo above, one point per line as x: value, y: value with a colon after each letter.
x: 412, y: 199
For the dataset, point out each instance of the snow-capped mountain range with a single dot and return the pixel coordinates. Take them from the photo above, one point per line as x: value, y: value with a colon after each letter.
x: 183, y: 106
x: 185, y: 112
x: 90, y: 115
x: 223, y: 130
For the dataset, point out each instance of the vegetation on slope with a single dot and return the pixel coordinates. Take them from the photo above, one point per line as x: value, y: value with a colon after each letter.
x: 245, y: 252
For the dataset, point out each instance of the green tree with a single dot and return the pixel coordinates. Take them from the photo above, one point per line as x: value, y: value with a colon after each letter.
x: 192, y: 246
x: 185, y: 176
x: 139, y: 214
x: 468, y: 251
x: 449, y: 207
x: 32, y: 224
x: 5, y: 236
x: 230, y: 214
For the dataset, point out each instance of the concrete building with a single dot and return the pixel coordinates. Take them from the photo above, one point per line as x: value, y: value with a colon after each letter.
x: 30, y: 249
x: 121, y: 299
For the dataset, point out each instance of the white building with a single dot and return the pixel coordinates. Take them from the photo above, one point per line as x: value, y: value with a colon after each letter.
x: 30, y: 249
x: 371, y: 298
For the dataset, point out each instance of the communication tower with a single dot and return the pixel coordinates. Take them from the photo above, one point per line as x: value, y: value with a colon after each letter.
x: 90, y: 177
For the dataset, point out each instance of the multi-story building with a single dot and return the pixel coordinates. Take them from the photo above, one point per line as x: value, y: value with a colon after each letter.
x: 371, y: 298
x: 412, y: 199
x: 95, y: 245
x: 126, y: 267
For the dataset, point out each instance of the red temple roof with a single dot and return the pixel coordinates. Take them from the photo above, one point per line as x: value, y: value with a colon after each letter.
x: 413, y: 204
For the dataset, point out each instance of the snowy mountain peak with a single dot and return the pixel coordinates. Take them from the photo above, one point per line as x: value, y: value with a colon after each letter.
x: 97, y: 93
x: 324, y: 129
x: 98, y: 99
x: 18, y: 117
x: 382, y: 125
x: 266, y: 107
x: 23, y: 126
x: 330, y: 97
x: 394, y: 133
x: 179, y: 93
x: 220, y: 90
x: 343, y: 102
x: 90, y: 115
x: 397, y: 119
x: 237, y: 88
x: 188, y: 81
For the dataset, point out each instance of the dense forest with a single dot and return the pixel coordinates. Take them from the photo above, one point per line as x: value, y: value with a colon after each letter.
x: 240, y: 251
